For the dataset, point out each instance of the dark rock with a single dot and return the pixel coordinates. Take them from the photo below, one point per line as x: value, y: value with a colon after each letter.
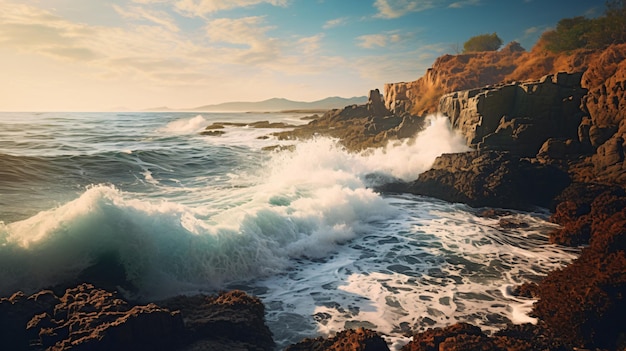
x: 558, y: 149
x: 86, y: 318
x: 16, y: 312
x: 213, y: 133
x: 348, y: 340
x: 512, y: 223
x: 231, y: 318
x: 460, y: 336
x: 517, y: 117
x: 376, y: 105
x: 490, y: 179
x: 493, y: 213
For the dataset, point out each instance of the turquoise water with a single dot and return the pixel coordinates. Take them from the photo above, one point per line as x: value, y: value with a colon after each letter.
x: 301, y: 228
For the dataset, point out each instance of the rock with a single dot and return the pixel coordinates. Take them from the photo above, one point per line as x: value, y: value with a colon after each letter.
x: 15, y: 313
x: 375, y: 104
x: 460, y: 336
x: 359, y: 127
x: 561, y: 150
x: 512, y: 223
x: 347, y: 340
x: 584, y: 302
x: 490, y: 179
x: 89, y: 318
x: 450, y: 73
x: 231, y: 318
x: 606, y: 80
x: 517, y: 117
x: 609, y: 154
x: 86, y: 318
x: 213, y: 133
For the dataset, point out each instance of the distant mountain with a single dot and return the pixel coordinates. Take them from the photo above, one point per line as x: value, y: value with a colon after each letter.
x: 278, y: 104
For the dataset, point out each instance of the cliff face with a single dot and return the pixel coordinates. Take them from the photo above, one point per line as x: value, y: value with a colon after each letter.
x: 517, y: 117
x: 451, y: 73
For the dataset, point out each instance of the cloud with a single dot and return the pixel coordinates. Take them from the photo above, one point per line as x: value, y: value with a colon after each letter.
x: 465, y: 3
x: 200, y: 8
x: 335, y: 22
x: 248, y: 34
x: 140, y: 13
x: 371, y: 41
x: 390, y: 9
x: 27, y: 28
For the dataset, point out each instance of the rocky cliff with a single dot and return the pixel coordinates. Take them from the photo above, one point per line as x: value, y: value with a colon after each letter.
x: 450, y: 73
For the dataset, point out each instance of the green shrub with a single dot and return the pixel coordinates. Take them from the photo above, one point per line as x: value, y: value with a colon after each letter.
x: 483, y: 42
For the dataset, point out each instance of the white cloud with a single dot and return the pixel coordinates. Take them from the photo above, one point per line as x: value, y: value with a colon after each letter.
x: 390, y: 9
x: 202, y: 7
x: 335, y: 22
x: 464, y: 3
x: 140, y: 13
x: 371, y: 41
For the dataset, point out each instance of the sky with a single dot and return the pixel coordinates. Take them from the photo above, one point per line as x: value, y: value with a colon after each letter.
x: 95, y: 55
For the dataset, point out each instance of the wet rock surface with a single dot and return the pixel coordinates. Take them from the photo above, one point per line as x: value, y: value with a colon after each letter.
x: 89, y: 318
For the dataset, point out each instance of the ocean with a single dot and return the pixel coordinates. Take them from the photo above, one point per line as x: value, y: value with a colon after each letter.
x: 298, y: 226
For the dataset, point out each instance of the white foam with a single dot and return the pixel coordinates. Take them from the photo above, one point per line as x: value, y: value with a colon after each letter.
x: 409, y: 158
x: 186, y: 125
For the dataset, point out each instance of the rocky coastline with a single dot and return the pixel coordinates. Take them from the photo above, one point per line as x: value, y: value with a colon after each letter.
x: 555, y: 141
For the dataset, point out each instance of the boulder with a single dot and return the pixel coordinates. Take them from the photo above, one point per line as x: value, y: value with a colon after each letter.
x: 348, y: 340
x: 232, y: 319
x: 490, y: 178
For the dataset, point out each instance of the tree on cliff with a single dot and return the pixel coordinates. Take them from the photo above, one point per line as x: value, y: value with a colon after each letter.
x: 483, y: 42
x: 580, y: 32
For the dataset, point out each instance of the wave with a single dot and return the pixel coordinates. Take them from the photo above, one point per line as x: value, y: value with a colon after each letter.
x: 186, y: 125
x: 297, y: 204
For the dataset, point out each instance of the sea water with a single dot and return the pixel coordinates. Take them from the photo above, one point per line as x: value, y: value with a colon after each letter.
x: 299, y: 226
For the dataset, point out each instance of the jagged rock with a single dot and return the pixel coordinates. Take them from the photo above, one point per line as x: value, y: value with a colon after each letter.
x: 86, y: 318
x: 559, y: 149
x: 375, y: 104
x: 15, y: 313
x: 460, y: 336
x: 517, y: 117
x: 492, y: 179
x: 451, y: 73
x: 233, y: 318
x: 606, y: 80
x: 610, y: 153
x: 347, y: 340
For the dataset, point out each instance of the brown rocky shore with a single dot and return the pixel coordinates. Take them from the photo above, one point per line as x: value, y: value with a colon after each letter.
x: 555, y: 140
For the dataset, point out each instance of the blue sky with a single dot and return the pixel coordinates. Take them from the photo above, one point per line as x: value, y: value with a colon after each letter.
x: 97, y: 55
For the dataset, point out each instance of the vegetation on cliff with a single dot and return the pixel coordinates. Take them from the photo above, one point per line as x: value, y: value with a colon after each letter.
x: 483, y: 42
x: 584, y: 33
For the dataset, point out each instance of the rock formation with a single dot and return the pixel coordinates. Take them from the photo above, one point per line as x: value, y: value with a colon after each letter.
x: 348, y: 340
x: 359, y: 127
x: 494, y: 179
x: 517, y: 117
x: 88, y: 318
x: 450, y: 73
